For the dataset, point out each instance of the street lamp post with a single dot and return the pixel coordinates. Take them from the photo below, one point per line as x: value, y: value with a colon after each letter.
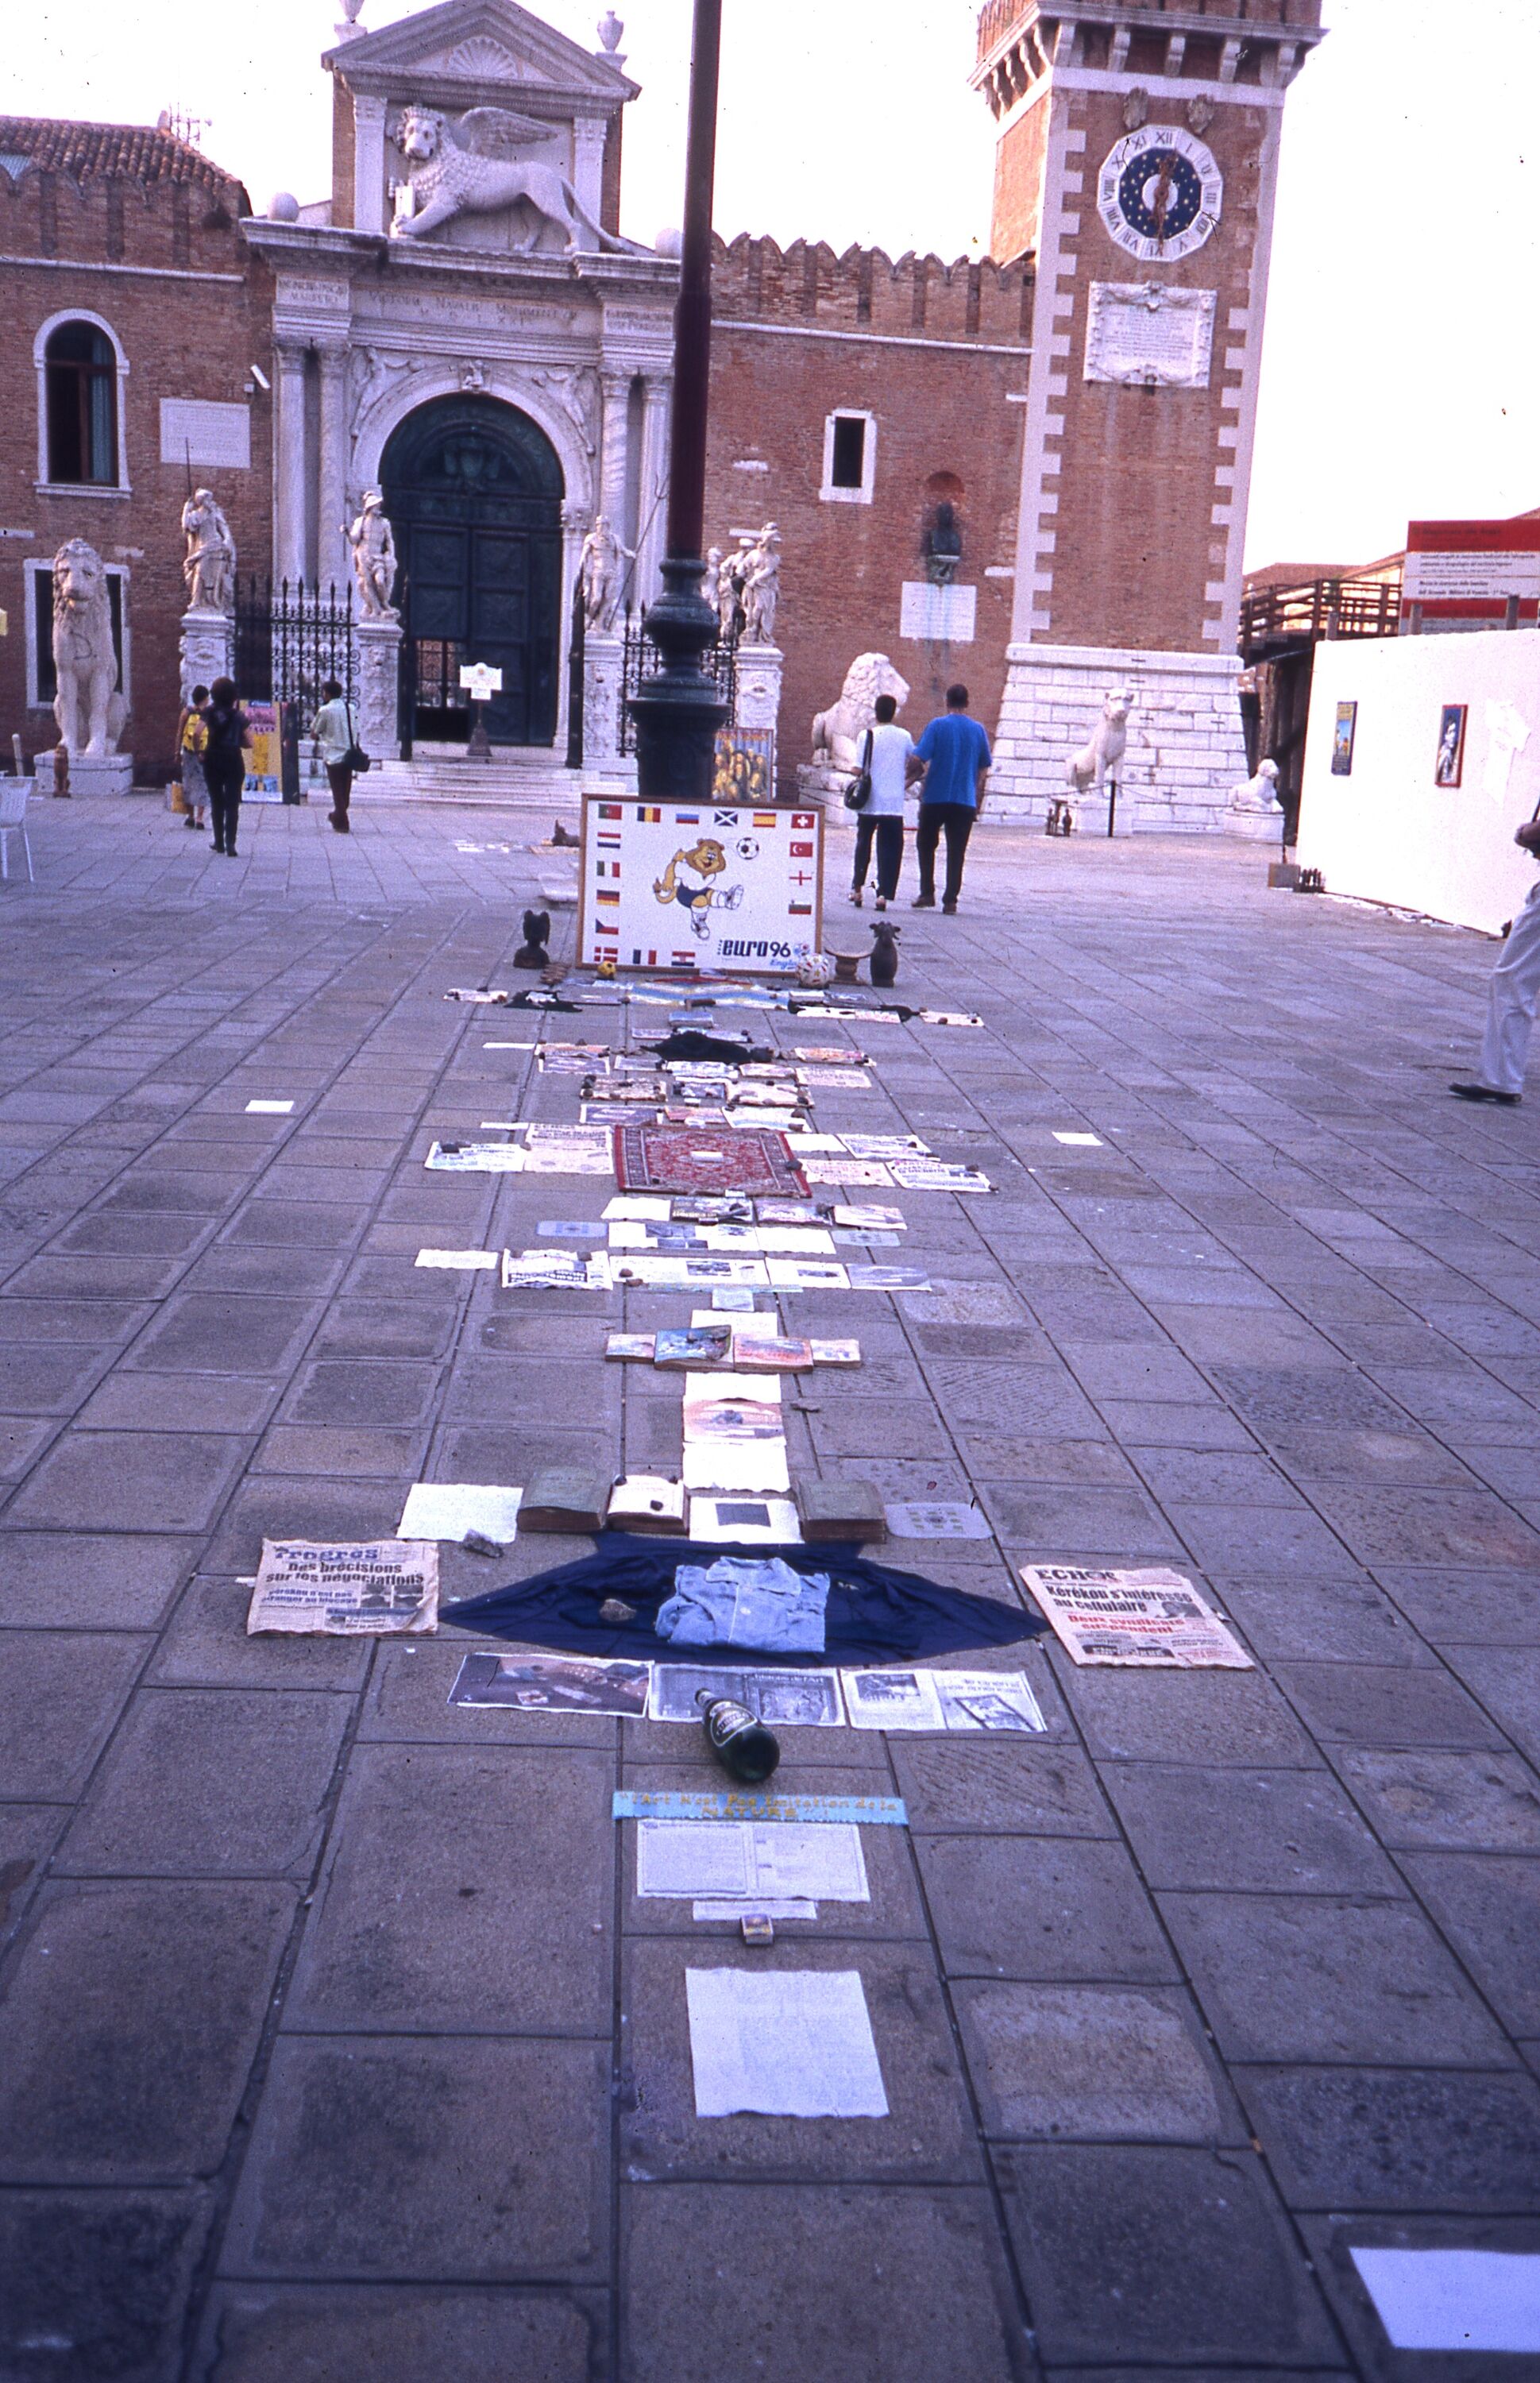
x: 678, y: 712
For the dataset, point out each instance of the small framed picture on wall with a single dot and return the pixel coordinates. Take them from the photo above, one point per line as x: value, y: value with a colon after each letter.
x: 1343, y: 737
x: 1450, y: 768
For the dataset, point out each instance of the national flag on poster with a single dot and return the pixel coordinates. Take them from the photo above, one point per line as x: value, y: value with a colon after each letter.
x: 686, y: 819
x: 681, y: 960
x: 644, y: 959
x: 804, y: 819
x: 608, y: 842
x: 724, y: 819
x: 611, y: 810
x: 607, y: 894
x: 607, y: 927
x: 802, y: 852
x: 799, y: 909
x: 649, y: 814
x: 766, y: 819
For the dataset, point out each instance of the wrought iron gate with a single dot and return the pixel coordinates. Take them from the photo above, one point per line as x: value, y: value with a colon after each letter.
x: 643, y: 660
x: 289, y: 639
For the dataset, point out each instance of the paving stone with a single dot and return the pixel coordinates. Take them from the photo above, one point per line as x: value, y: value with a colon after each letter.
x: 1073, y: 1463
x: 105, y: 2275
x: 1277, y: 1831
x: 45, y: 1381
x: 384, y: 1328
x: 1280, y: 1397
x: 65, y: 1578
x: 300, y: 1271
x: 1155, y: 1423
x: 290, y: 1506
x: 128, y: 1402
x: 936, y: 2300
x: 1469, y: 1802
x: 1075, y: 1522
x: 1091, y: 2064
x: 317, y: 2333
x: 80, y: 1681
x: 969, y: 1787
x: 1198, y: 1717
x: 1053, y: 1909
x: 214, y: 1332
x: 276, y: 1223
x: 1410, y: 1526
x: 1215, y: 1476
x: 132, y: 2014
x: 1331, y: 2243
x: 1230, y: 1539
x: 1393, y: 1456
x: 1318, y: 1978
x: 1394, y: 2139
x: 212, y: 1783
x: 1158, y: 2255
x: 1340, y: 1620
x: 1463, y: 1608
x: 205, y: 1645
x: 1507, y: 1680
x: 62, y: 1320
x: 28, y: 1835
x: 468, y: 2160
x: 1364, y: 1704
x: 466, y: 1890
x: 363, y: 1394
x: 130, y: 1481
x: 135, y: 1235
x: 1488, y: 1905
x: 928, y: 2136
x: 566, y: 1396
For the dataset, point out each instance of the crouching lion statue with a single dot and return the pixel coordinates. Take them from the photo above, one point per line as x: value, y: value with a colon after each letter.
x: 469, y: 169
x: 89, y: 712
x: 837, y: 732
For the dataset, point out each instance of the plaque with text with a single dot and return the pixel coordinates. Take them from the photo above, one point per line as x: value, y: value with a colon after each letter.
x: 1148, y: 335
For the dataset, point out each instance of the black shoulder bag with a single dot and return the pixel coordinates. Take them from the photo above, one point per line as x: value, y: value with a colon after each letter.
x: 858, y: 792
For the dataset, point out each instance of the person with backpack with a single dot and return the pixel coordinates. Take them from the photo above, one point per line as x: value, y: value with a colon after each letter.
x: 888, y: 763
x: 191, y: 739
x: 229, y: 738
x: 335, y: 732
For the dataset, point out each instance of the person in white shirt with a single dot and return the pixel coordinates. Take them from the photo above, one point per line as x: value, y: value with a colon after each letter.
x: 890, y: 759
x: 332, y: 731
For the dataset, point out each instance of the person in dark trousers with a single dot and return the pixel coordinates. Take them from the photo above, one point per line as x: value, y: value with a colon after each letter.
x: 229, y: 737
x: 956, y: 757
x: 333, y: 732
x: 890, y: 760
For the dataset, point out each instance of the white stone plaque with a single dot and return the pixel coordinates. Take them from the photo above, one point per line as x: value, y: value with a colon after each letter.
x: 937, y: 616
x: 1150, y: 335
x: 192, y: 430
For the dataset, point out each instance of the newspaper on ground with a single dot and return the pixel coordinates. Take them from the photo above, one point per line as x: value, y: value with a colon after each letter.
x: 555, y: 1684
x: 476, y: 1158
x: 1000, y: 1700
x: 887, y: 1278
x: 915, y: 1519
x: 794, y: 2043
x: 355, y: 1589
x: 569, y: 1229
x: 894, y: 1699
x: 734, y: 1909
x: 555, y: 1270
x: 937, y: 1175
x: 269, y: 1108
x: 885, y: 1146
x: 747, y: 1860
x: 1139, y: 1620
x: 829, y: 1054
x: 470, y: 993
x: 458, y: 1261
x: 447, y: 1510
x: 786, y: 1699
x: 844, y: 1169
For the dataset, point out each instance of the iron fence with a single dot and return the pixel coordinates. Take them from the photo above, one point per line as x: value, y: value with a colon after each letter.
x: 290, y: 638
x: 643, y: 660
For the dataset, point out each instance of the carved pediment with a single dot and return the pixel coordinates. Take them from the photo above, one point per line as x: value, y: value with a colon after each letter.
x: 473, y: 50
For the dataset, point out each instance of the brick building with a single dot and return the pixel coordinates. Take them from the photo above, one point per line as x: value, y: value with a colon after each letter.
x: 137, y: 312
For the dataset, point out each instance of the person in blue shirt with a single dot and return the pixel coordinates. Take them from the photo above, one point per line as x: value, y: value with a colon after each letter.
x: 956, y: 756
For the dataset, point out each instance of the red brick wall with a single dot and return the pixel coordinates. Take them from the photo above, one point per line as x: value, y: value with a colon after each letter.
x: 1019, y: 162
x: 942, y: 413
x: 183, y: 337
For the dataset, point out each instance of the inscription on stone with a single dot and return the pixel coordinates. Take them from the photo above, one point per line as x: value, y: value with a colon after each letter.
x: 1145, y: 335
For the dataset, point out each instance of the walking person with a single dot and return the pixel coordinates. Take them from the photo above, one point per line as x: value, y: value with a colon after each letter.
x: 229, y: 738
x: 191, y: 739
x: 888, y: 759
x: 1511, y: 1001
x: 955, y: 753
x: 332, y: 731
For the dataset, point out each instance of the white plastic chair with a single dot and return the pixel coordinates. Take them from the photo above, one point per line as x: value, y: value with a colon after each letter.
x: 13, y: 822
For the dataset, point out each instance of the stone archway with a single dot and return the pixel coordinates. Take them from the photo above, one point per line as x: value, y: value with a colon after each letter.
x: 473, y: 489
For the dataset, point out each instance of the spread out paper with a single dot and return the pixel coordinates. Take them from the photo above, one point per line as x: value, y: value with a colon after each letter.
x: 447, y: 1510
x: 885, y: 1146
x: 786, y: 1699
x: 555, y: 1684
x: 784, y: 1907
x: 269, y: 1108
x: 737, y: 1464
x: 460, y: 1261
x: 637, y: 1208
x: 1081, y: 1141
x: 1152, y: 1619
x: 476, y: 1158
x: 988, y: 1700
x: 848, y: 1170
x: 918, y: 1520
x: 368, y: 1588
x: 750, y: 1859
x: 1471, y: 2301
x: 896, y: 1699
x: 791, y: 2043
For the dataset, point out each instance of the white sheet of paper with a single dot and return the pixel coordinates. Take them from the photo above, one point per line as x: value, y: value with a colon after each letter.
x: 1455, y: 2300
x: 460, y: 1261
x: 447, y: 1510
x: 269, y: 1108
x: 793, y: 2043
x: 637, y: 1208
x: 999, y: 1700
x: 740, y: 1906
x: 744, y: 1390
x: 895, y: 1700
x: 748, y: 1859
x: 1081, y: 1141
x: 736, y: 1464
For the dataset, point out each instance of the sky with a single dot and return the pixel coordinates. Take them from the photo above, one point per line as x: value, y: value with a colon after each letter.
x: 1401, y: 370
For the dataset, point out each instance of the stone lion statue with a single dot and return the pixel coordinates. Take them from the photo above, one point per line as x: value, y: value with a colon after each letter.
x: 1259, y: 794
x: 837, y: 732
x: 90, y: 714
x: 471, y: 168
x: 1091, y: 766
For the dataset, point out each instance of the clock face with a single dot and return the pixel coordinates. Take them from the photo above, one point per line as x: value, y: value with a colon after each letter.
x: 1161, y: 193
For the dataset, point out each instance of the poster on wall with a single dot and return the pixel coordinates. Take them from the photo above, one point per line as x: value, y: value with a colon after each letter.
x: 708, y: 886
x: 743, y: 768
x: 265, y: 756
x: 1344, y: 736
x: 1450, y: 768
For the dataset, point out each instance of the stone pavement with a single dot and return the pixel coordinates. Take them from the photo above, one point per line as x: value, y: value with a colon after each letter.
x: 336, y: 2042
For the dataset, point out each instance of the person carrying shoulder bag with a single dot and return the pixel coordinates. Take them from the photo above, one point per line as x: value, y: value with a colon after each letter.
x: 336, y: 732
x: 888, y: 768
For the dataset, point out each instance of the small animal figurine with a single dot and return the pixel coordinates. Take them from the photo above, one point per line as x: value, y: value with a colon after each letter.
x: 536, y: 937
x: 563, y: 838
x: 884, y: 953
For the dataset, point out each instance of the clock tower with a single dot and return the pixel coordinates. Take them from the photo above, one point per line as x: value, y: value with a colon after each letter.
x: 1136, y: 166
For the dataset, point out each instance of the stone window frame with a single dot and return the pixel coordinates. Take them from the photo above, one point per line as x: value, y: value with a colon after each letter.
x: 865, y: 495
x: 45, y: 487
x: 34, y: 568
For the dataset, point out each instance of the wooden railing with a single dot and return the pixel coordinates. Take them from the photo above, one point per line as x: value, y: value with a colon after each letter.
x: 1274, y: 619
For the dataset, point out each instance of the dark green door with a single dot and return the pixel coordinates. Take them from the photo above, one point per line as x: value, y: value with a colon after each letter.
x: 473, y: 489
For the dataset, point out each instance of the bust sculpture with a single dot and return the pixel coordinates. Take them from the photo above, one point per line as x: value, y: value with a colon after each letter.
x: 372, y: 544
x: 208, y: 566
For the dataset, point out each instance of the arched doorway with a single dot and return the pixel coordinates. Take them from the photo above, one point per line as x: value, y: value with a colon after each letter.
x: 474, y: 490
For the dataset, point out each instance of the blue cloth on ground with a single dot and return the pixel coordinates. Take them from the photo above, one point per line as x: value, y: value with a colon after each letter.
x: 957, y: 748
x: 743, y: 1602
x: 873, y: 1616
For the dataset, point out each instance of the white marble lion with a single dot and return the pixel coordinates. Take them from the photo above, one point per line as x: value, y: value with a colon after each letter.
x: 837, y: 732
x: 469, y: 169
x: 90, y: 714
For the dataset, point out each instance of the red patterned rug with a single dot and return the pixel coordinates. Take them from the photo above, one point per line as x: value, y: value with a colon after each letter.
x: 682, y: 1158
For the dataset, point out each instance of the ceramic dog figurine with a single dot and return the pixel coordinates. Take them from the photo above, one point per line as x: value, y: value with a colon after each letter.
x: 536, y: 937
x: 884, y: 953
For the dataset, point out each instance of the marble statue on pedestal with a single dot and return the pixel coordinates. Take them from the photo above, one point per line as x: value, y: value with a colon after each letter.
x: 1259, y: 796
x: 89, y: 712
x: 373, y: 543
x: 472, y: 169
x: 1097, y: 762
x: 600, y: 576
x: 837, y: 732
x: 761, y: 587
x: 209, y: 564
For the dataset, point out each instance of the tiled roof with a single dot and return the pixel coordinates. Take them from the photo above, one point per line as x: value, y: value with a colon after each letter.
x: 138, y: 152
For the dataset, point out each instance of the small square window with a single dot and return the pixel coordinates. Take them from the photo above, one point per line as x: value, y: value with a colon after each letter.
x: 849, y: 458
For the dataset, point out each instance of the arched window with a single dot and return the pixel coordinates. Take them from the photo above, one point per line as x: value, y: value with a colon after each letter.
x: 80, y: 401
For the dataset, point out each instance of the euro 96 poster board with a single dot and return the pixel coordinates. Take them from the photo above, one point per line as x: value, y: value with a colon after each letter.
x: 698, y: 885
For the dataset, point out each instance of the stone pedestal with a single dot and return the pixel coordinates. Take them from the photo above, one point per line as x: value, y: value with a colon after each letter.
x: 1256, y: 827
x: 96, y: 774
x: 1186, y: 751
x: 378, y: 703
x: 208, y: 648
x: 760, y: 669
x: 603, y: 689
